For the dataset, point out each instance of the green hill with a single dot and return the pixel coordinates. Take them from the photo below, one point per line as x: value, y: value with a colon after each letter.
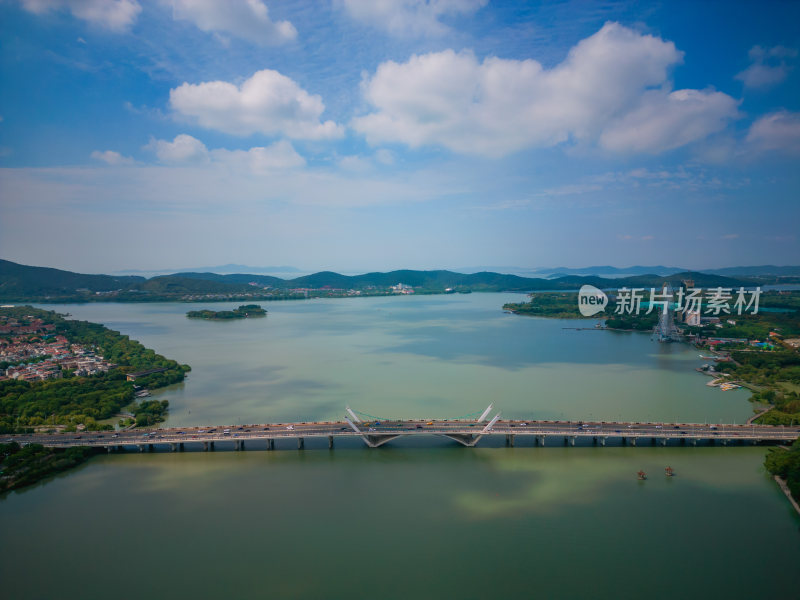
x: 235, y: 278
x: 23, y: 281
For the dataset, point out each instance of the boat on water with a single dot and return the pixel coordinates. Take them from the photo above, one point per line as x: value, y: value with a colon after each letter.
x: 641, y: 475
x: 669, y: 472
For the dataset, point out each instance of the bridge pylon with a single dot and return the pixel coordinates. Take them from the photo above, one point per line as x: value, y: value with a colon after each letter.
x: 471, y: 439
x: 373, y: 441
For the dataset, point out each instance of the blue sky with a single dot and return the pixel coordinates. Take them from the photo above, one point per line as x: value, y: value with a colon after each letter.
x: 359, y: 135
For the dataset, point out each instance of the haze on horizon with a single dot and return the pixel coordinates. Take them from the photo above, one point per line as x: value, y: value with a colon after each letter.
x: 359, y: 136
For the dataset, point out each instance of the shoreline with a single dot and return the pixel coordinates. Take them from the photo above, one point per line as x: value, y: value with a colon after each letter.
x: 785, y: 489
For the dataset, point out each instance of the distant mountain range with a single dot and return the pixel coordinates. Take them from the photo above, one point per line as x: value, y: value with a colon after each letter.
x: 607, y: 271
x: 20, y: 283
x: 538, y: 272
x: 762, y: 271
x: 229, y: 268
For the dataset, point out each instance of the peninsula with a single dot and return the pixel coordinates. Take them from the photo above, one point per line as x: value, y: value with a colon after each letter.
x: 58, y: 376
x: 758, y: 351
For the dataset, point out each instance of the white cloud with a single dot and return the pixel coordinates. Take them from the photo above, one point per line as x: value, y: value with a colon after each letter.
x: 116, y: 15
x: 246, y: 19
x: 268, y: 103
x: 613, y: 88
x: 410, y: 17
x: 762, y: 76
x: 768, y: 66
x: 664, y: 121
x: 187, y: 150
x: 354, y: 163
x: 280, y: 155
x: 778, y: 131
x: 183, y: 149
x: 112, y: 158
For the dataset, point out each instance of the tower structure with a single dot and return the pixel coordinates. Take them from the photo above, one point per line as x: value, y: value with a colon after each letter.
x: 666, y: 330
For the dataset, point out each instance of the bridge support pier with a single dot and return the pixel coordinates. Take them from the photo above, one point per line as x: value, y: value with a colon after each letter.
x: 301, y: 443
x: 663, y: 441
x: 141, y: 447
x: 180, y: 446
x: 211, y: 446
x: 173, y: 447
x: 540, y: 440
x: 330, y: 442
x: 270, y: 444
x: 569, y: 440
x: 633, y: 441
x: 602, y: 440
x: 510, y: 440
x: 205, y: 446
x: 237, y: 445
x: 149, y: 447
x: 694, y: 441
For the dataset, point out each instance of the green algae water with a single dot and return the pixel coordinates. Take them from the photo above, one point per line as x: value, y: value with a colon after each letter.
x: 426, y: 356
x: 415, y: 518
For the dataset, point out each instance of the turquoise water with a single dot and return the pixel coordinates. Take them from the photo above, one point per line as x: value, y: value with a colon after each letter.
x: 415, y: 518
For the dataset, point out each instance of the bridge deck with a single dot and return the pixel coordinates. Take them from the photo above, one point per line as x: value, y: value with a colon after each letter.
x: 374, y: 434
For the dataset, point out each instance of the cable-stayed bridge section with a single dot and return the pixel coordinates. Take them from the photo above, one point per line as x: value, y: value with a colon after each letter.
x: 376, y: 432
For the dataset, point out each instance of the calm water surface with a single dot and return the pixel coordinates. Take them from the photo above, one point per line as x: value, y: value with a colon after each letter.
x: 426, y: 356
x: 423, y: 519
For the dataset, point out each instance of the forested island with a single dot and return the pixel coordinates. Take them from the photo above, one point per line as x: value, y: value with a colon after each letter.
x: 243, y: 312
x: 564, y: 305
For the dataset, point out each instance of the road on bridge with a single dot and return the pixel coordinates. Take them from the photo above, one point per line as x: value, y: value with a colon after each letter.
x: 386, y: 429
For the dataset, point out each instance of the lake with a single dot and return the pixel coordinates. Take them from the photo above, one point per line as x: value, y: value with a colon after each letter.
x: 415, y: 518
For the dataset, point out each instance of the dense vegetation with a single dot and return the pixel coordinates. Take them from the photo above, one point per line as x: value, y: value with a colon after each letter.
x: 82, y: 400
x: 786, y: 464
x: 640, y: 322
x: 772, y: 371
x: 23, y: 466
x: 244, y: 311
x: 758, y: 326
x: 21, y: 281
x: 563, y: 305
x: 150, y: 412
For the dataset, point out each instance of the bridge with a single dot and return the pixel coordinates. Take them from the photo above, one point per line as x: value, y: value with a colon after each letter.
x: 375, y: 433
